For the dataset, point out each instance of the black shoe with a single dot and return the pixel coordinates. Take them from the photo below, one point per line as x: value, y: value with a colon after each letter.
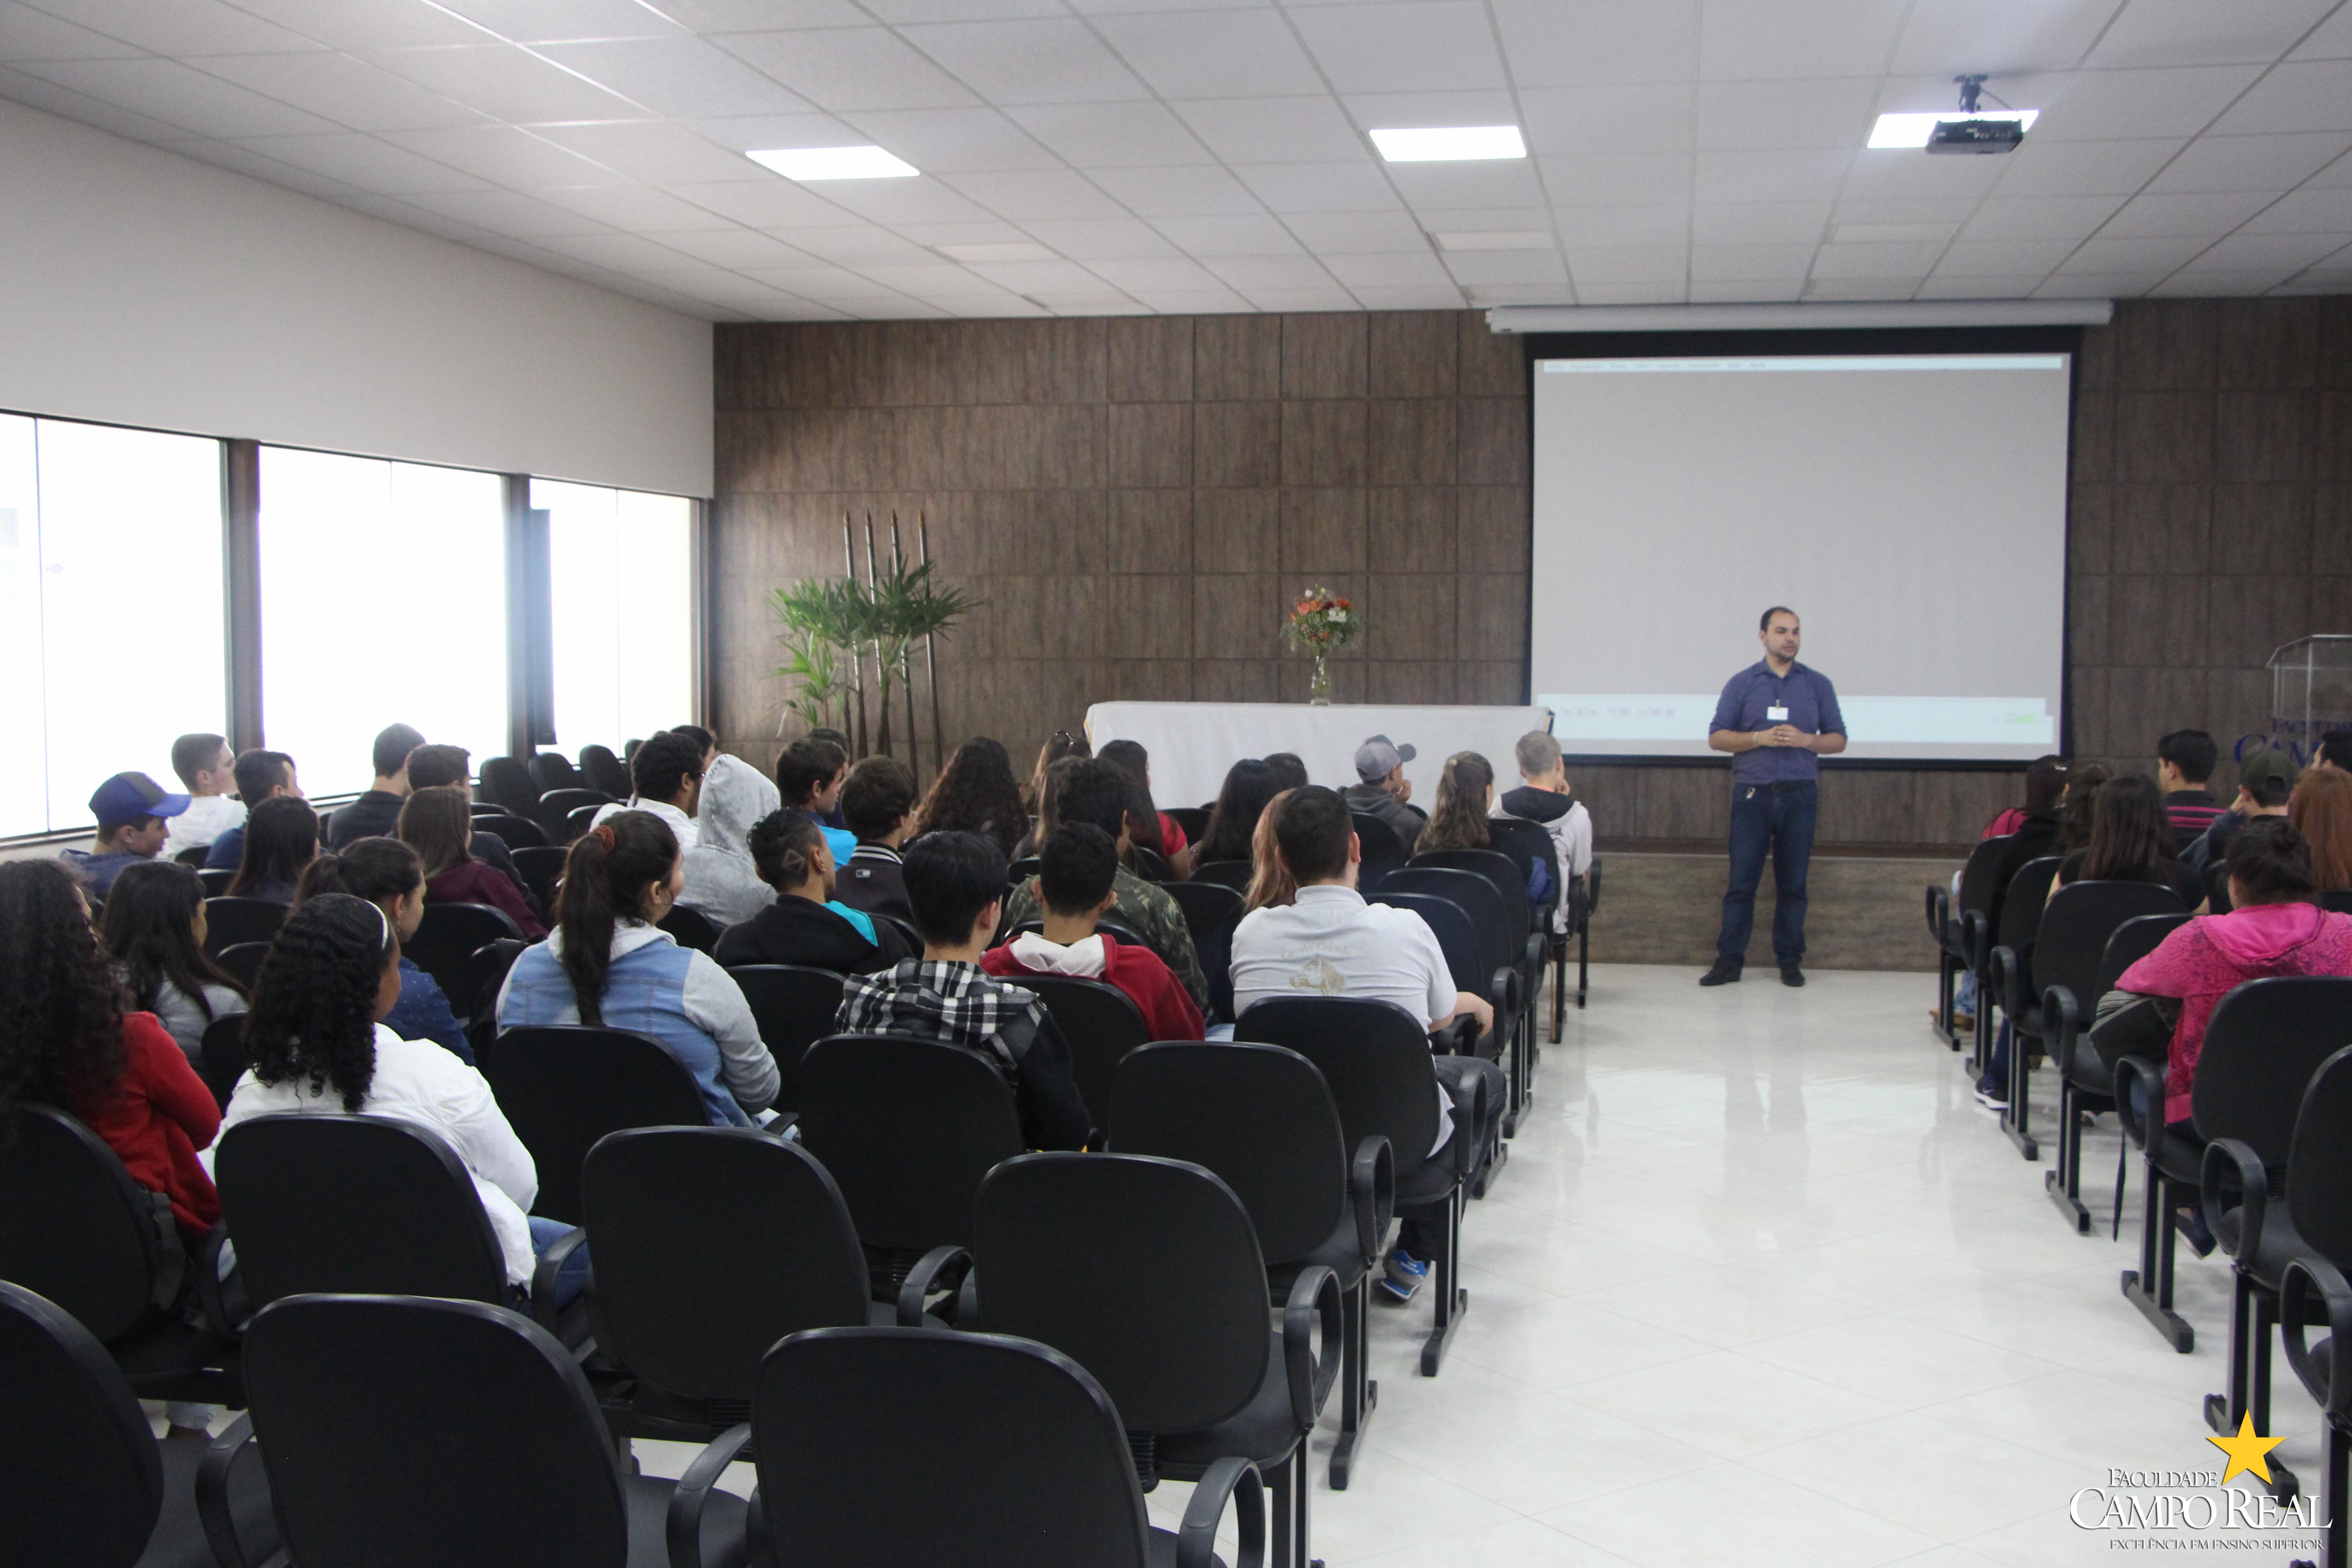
x: 1725, y: 973
x: 1791, y: 975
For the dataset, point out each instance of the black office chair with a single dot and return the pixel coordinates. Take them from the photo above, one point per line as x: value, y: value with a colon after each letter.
x: 1262, y: 1117
x: 76, y: 1230
x: 1381, y: 849
x: 907, y: 1128
x: 82, y: 1479
x: 555, y: 810
x: 1233, y: 874
x: 2312, y: 1288
x: 215, y: 880
x: 1192, y: 819
x: 1469, y: 961
x: 447, y: 937
x: 409, y: 1429
x: 905, y: 927
x: 220, y: 1056
x: 1375, y: 1058
x: 516, y: 833
x: 692, y: 928
x: 1102, y: 1024
x: 1530, y: 844
x: 486, y: 976
x: 564, y: 1089
x: 1950, y: 926
x: 1518, y: 946
x: 1146, y: 1272
x: 2085, y: 1084
x: 507, y: 783
x: 600, y: 769
x: 2012, y: 988
x: 907, y: 1445
x: 229, y: 922
x: 541, y: 865
x: 553, y: 770
x: 1147, y: 864
x: 1021, y: 870
x: 243, y: 961
x: 575, y: 822
x: 1211, y: 912
x: 794, y: 1008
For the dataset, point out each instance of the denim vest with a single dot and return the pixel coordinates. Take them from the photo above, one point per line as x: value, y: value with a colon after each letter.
x: 645, y: 993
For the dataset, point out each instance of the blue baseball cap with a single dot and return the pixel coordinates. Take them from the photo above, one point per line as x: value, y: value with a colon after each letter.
x: 127, y: 797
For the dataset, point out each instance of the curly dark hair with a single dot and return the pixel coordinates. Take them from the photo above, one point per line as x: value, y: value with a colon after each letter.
x: 60, y: 1009
x: 314, y: 1003
x: 975, y: 793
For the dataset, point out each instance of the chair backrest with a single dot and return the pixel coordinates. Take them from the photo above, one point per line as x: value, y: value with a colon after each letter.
x: 220, y: 1056
x: 2337, y: 901
x: 229, y: 922
x: 514, y: 832
x: 2262, y: 1046
x: 80, y: 1480
x: 692, y: 928
x: 903, y: 927
x: 242, y: 960
x: 446, y: 937
x: 2126, y: 945
x: 1102, y: 1024
x: 214, y: 880
x: 1373, y: 1054
x: 556, y: 806
x: 1476, y: 897
x: 1977, y: 890
x: 1192, y: 819
x: 1261, y: 1117
x: 1507, y: 877
x: 1530, y: 844
x: 564, y: 1088
x: 193, y: 856
x: 354, y: 1204
x: 541, y: 865
x: 565, y: 826
x: 794, y: 1008
x: 396, y: 1429
x: 553, y: 770
x: 2075, y: 926
x: 2021, y: 906
x: 908, y: 1128
x: 1021, y: 870
x: 711, y: 1243
x: 1144, y: 1271
x: 2318, y: 1177
x: 907, y: 1445
x: 1150, y: 864
x: 1469, y: 956
x: 74, y: 1227
x: 1379, y: 848
x: 509, y: 784
x: 1233, y: 874
x: 604, y: 771
x: 1211, y: 913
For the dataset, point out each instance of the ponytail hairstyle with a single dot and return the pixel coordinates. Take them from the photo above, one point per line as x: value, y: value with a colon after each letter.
x: 2078, y: 812
x: 1271, y: 883
x: 439, y: 826
x: 313, y: 1013
x: 784, y: 847
x: 604, y: 881
x: 151, y: 930
x: 282, y: 836
x: 60, y: 1009
x: 381, y: 870
x: 1459, y: 818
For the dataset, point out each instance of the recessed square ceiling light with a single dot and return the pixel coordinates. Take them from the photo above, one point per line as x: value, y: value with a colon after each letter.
x: 1913, y: 129
x: 999, y: 250
x: 834, y: 163
x: 1450, y: 144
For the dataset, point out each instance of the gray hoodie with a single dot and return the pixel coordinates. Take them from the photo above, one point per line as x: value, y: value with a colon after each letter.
x: 721, y: 880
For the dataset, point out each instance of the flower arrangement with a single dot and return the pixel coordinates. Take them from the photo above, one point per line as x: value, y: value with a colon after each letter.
x: 1320, y: 622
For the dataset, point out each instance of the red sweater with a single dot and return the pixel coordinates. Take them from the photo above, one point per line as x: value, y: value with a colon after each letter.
x: 1169, y: 1010
x: 475, y: 882
x: 157, y: 1117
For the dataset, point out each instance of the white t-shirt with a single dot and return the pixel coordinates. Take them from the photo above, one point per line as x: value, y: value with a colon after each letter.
x: 207, y: 817
x: 418, y: 1081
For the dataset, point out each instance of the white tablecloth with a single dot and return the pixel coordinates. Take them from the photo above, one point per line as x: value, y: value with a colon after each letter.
x: 1192, y: 743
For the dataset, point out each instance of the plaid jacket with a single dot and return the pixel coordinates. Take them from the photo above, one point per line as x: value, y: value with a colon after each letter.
x: 964, y: 1005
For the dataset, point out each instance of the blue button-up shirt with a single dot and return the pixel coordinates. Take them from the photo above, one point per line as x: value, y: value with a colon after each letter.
x: 1812, y: 706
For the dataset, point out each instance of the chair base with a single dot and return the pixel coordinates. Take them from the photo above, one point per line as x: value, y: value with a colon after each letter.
x: 1289, y: 1486
x: 2027, y: 1147
x: 1499, y: 1157
x: 2175, y: 1328
x: 1359, y: 1394
x: 1452, y: 1299
x: 1433, y: 1349
x: 2067, y: 1203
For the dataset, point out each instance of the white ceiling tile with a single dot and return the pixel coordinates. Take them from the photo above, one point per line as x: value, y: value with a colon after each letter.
x: 365, y: 162
x: 627, y: 252
x: 555, y: 21
x: 1875, y: 261
x: 2193, y: 33
x: 951, y: 141
x: 2142, y: 254
x: 766, y: 202
x: 1165, y: 272
x: 1124, y: 7
x: 244, y: 160
x: 1420, y: 46
x: 506, y: 83
x: 1111, y: 135
x: 993, y: 232
x: 2332, y: 41
x: 1952, y: 210
x: 338, y: 87
x: 1103, y: 303
x: 1045, y: 193
x: 935, y: 280
x: 2113, y: 106
x: 1986, y: 257
x: 2250, y: 162
x: 1101, y: 239
x: 2082, y: 168
x: 2305, y: 212
x: 1832, y: 112
x: 1565, y: 43
x: 1883, y: 173
x: 861, y: 244
x: 1393, y: 269
x: 1718, y: 263
x: 1252, y: 273
x: 820, y: 281
x: 1948, y: 285
x: 1372, y: 110
x: 1212, y: 54
x: 2314, y: 95
x: 751, y: 132
x: 1479, y: 183
x: 1334, y: 234
x: 184, y: 27
x: 179, y: 95
x: 2068, y: 218
x: 1657, y: 293
x: 1297, y: 301
x: 1237, y: 236
x: 2255, y: 252
x: 1629, y: 263
x: 2333, y: 275
x: 31, y: 91
x: 1749, y: 41
x: 1274, y: 130
x: 508, y: 212
x: 731, y: 248
x: 841, y: 69
x: 654, y: 151
x: 1192, y: 302
x: 506, y: 156
x: 1819, y: 287
x: 1746, y: 292
x: 1178, y: 191
x: 906, y: 201
x: 2066, y: 285
x: 364, y: 23
x: 1760, y: 223
x: 635, y: 208
x: 2193, y: 285
x: 1472, y: 266
x: 679, y: 77
x: 1356, y: 186
x: 1645, y: 117
x: 1045, y: 60
x: 1617, y: 179
x: 29, y: 34
x: 1732, y: 176
x: 2011, y: 36
x: 1417, y: 297
x: 1658, y: 224
x: 2170, y: 216
x: 2334, y: 176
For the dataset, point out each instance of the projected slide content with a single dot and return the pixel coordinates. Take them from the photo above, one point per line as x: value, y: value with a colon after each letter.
x: 1910, y: 508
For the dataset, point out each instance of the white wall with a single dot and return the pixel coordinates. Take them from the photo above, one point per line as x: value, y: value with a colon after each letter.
x: 137, y: 287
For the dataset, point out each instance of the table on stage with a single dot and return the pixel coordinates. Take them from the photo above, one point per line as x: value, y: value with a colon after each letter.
x: 1192, y: 743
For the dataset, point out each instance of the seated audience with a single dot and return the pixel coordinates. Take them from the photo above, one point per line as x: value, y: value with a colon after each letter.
x: 1465, y: 794
x: 956, y: 882
x: 2034, y: 838
x: 1076, y: 872
x: 282, y: 836
x: 436, y: 767
x: 154, y: 930
x: 665, y: 777
x: 723, y: 883
x: 702, y: 738
x: 436, y: 824
x: 318, y: 1042
x: 2078, y: 806
x: 1095, y: 792
x: 67, y: 1042
x: 1289, y: 772
x: 2265, y: 780
x: 376, y: 813
x: 609, y: 964
x: 1046, y: 821
x: 833, y: 818
x: 1270, y: 883
x: 809, y: 775
x: 1382, y: 791
x: 261, y: 775
x: 2184, y: 762
x: 2321, y: 810
x: 1061, y: 744
x: 387, y: 874
x: 1148, y: 826
x: 1544, y: 796
x: 132, y: 811
x: 1330, y: 942
x: 975, y: 793
x: 2335, y: 751
x: 2042, y: 791
x: 207, y: 771
x: 803, y: 925
x: 879, y: 803
x: 1232, y: 821
x: 2131, y: 841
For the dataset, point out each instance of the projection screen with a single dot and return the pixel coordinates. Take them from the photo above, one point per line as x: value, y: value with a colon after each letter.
x: 1910, y: 508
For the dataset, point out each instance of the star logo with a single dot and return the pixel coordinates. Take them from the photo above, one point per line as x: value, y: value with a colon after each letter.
x: 2246, y: 1451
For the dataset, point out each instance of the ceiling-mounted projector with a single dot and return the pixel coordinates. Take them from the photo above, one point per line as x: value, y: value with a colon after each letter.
x: 1975, y: 136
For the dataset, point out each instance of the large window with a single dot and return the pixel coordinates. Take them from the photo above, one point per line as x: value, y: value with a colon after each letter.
x: 111, y: 620
x: 383, y: 601
x: 623, y: 600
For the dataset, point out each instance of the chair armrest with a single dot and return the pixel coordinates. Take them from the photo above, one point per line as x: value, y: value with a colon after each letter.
x: 1314, y: 1294
x: 1457, y: 1038
x: 2008, y: 980
x: 682, y: 1525
x: 543, y: 1278
x: 2151, y: 1072
x: 1537, y: 941
x: 1371, y: 1190
x: 1464, y: 1141
x: 1235, y: 1480
x: 940, y: 1269
x: 1503, y: 995
x: 2305, y: 1277
x: 204, y: 1267
x: 1939, y: 912
x: 1976, y: 939
x: 2254, y: 1183
x: 2061, y: 1019
x: 221, y: 1455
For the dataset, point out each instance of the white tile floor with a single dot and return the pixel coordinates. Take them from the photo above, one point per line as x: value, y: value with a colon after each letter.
x: 1761, y: 1284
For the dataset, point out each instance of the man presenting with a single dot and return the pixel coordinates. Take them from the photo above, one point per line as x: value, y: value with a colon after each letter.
x: 1778, y: 719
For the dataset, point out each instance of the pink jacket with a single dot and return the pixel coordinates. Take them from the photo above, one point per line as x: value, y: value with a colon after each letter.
x: 2204, y: 960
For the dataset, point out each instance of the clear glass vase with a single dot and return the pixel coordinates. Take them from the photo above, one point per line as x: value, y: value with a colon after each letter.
x: 1318, y: 691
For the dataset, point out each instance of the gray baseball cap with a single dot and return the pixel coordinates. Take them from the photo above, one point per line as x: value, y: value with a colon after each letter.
x: 1378, y: 757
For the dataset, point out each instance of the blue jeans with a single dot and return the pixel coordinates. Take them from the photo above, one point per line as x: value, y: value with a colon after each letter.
x: 1781, y: 819
x: 573, y: 1275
